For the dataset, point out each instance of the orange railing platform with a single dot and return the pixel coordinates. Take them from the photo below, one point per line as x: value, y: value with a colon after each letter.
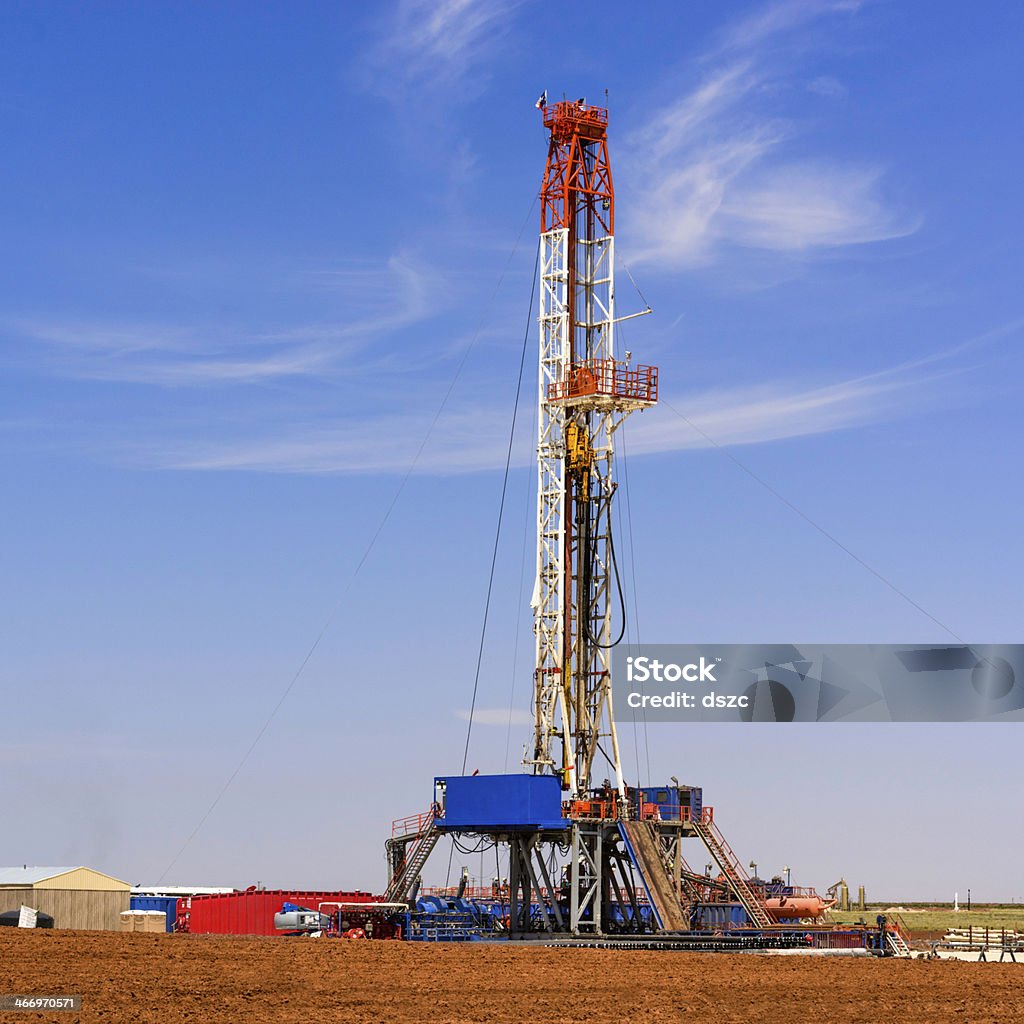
x: 566, y: 117
x: 607, y: 378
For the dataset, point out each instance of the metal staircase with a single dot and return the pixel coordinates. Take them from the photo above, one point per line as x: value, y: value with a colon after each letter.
x: 729, y: 865
x: 418, y: 848
x: 895, y: 937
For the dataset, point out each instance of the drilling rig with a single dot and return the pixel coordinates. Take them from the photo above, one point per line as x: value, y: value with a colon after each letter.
x: 584, y: 859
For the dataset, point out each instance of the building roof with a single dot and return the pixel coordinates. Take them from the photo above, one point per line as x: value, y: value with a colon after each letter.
x: 32, y: 875
x: 181, y: 890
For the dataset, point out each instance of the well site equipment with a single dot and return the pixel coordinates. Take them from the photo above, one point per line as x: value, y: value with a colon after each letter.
x: 591, y: 859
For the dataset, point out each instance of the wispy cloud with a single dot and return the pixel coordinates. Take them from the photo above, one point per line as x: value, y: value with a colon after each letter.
x: 495, y: 716
x: 463, y: 440
x: 381, y: 300
x: 776, y: 412
x: 717, y: 169
x: 800, y: 206
x: 774, y: 20
x: 433, y: 43
x: 470, y: 439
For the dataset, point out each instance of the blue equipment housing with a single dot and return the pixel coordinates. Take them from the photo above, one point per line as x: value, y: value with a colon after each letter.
x: 673, y: 802
x: 503, y: 803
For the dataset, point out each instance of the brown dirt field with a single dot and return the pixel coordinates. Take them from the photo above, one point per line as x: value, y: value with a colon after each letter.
x: 160, y: 978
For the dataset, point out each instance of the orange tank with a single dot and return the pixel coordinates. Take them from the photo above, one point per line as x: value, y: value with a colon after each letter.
x: 789, y: 908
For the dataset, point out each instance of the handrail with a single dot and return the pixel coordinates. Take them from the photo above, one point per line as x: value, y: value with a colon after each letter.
x: 734, y: 861
x: 370, y: 908
x: 735, y: 872
x: 785, y: 892
x: 477, y: 892
x: 609, y: 378
x: 412, y: 824
x: 579, y: 112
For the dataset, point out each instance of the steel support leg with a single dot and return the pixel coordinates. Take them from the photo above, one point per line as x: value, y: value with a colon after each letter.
x: 585, y: 875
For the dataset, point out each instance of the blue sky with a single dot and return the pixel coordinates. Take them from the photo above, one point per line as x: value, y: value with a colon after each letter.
x: 249, y: 248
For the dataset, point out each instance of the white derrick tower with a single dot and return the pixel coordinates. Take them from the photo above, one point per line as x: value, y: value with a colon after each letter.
x: 585, y: 394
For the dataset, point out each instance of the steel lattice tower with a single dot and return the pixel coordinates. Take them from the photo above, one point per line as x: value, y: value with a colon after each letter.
x: 585, y: 394
x: 590, y: 860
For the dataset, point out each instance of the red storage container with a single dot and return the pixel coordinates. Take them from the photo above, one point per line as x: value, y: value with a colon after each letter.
x: 251, y: 912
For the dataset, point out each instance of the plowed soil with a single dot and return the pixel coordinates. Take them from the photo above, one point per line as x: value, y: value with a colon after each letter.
x: 135, y: 977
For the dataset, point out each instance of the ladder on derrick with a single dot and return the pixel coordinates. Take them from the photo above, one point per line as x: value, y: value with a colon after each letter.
x: 729, y: 865
x: 420, y: 845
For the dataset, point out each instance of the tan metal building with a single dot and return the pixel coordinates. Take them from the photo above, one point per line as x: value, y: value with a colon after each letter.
x: 75, y: 897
